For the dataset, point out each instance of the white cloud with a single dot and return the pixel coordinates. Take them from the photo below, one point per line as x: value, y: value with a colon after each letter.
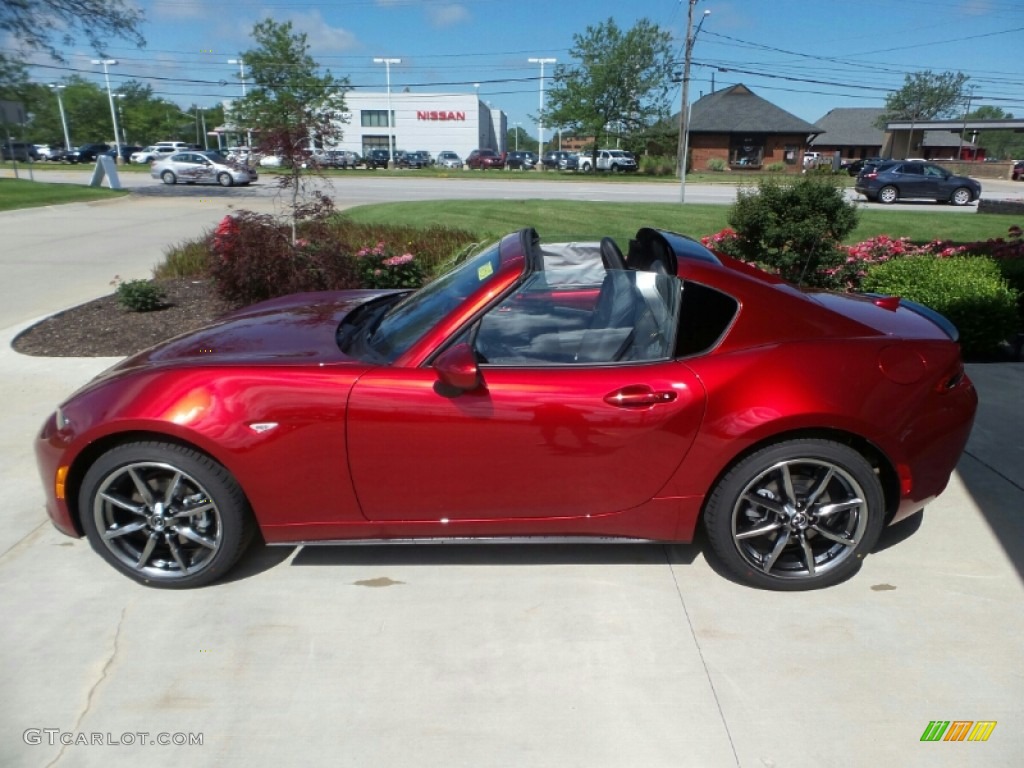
x: 447, y: 15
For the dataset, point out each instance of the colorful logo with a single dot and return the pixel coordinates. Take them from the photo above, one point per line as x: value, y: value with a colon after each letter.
x: 958, y: 730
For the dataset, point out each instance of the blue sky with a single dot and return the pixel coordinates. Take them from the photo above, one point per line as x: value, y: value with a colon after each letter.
x: 806, y: 57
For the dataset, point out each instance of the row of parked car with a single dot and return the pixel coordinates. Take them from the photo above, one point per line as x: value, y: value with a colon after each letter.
x: 88, y: 153
x: 612, y: 160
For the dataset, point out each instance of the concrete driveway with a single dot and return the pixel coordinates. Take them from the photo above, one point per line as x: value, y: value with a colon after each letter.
x: 568, y: 655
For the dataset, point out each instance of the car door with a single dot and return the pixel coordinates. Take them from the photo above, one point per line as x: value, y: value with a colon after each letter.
x: 553, y: 431
x: 914, y: 182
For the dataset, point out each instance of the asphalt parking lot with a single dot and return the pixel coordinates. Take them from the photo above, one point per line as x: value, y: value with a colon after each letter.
x: 560, y: 655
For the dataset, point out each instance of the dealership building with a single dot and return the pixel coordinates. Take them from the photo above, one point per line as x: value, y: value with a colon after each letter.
x: 434, y: 122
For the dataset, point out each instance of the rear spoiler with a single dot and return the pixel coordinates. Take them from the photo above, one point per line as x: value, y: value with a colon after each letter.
x: 894, y: 302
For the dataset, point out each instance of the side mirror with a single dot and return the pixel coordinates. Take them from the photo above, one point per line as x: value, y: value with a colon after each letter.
x: 457, y: 368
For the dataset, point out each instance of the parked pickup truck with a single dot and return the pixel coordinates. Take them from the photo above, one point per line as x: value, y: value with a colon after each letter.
x: 613, y: 160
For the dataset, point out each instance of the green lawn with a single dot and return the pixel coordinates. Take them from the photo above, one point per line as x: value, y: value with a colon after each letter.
x: 555, y: 220
x: 22, y: 193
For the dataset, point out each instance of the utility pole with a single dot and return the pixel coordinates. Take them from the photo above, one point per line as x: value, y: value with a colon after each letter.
x: 684, y: 107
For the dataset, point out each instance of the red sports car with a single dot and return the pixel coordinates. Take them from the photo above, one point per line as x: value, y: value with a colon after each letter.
x: 536, y: 390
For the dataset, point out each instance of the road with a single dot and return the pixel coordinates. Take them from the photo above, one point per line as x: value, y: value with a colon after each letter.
x: 360, y: 189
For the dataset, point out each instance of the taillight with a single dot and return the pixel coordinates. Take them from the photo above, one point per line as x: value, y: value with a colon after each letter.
x: 871, y: 175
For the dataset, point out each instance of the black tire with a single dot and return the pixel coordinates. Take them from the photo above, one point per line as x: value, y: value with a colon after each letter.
x: 888, y: 194
x: 224, y: 179
x: 164, y: 515
x: 168, y: 177
x: 960, y: 196
x: 811, y: 531
x: 615, y: 168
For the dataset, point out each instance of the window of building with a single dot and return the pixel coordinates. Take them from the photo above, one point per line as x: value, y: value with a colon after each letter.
x: 376, y: 118
x: 790, y: 154
x: 746, y: 151
x: 375, y: 142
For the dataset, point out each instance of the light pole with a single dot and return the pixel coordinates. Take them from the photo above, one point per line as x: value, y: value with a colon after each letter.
x: 241, y: 74
x: 515, y: 127
x: 391, y: 134
x: 540, y: 114
x: 684, y: 107
x: 120, y: 116
x: 113, y: 112
x: 63, y: 120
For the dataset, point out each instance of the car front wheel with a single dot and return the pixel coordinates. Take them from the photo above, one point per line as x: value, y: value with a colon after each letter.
x: 164, y: 515
x: 797, y: 515
x: 960, y: 196
x: 224, y: 179
x: 167, y: 177
x: 888, y: 195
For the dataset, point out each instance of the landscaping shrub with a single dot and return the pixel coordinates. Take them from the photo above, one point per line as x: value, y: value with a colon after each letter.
x: 188, y: 259
x: 139, y: 295
x: 254, y: 257
x: 657, y: 165
x: 717, y: 164
x: 969, y: 290
x: 775, y: 167
x: 794, y: 227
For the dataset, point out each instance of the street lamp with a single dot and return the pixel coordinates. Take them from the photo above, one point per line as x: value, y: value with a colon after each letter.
x: 540, y: 114
x: 120, y: 114
x: 110, y: 97
x: 515, y: 127
x: 241, y: 74
x: 684, y: 107
x: 63, y: 120
x: 391, y: 134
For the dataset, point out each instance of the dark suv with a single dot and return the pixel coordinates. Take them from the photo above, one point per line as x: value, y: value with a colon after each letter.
x: 377, y: 158
x: 519, y: 159
x: 1017, y: 174
x: 897, y: 179
x: 87, y: 153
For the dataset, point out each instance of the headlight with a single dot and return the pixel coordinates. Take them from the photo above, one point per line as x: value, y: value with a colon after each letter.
x: 63, y: 422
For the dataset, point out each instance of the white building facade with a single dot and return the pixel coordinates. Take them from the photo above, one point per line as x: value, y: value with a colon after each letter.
x: 434, y: 122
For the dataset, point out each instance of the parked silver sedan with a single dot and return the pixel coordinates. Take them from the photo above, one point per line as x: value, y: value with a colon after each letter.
x: 201, y: 167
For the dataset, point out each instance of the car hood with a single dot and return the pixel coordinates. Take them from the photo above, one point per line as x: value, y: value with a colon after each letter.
x: 292, y: 330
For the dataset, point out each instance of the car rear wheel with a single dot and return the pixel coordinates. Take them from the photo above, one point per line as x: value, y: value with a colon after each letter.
x: 167, y: 177
x: 224, y: 179
x: 797, y: 515
x: 888, y: 195
x: 960, y: 196
x: 164, y: 515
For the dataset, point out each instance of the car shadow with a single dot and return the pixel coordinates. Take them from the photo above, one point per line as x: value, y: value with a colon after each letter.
x: 644, y: 553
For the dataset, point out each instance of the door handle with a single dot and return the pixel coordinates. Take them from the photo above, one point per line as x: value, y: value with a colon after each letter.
x: 638, y: 396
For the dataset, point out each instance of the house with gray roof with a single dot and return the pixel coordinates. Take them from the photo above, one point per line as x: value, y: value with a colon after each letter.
x: 852, y: 131
x: 746, y: 131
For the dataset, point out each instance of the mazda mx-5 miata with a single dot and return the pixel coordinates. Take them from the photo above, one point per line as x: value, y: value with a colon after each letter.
x: 534, y: 392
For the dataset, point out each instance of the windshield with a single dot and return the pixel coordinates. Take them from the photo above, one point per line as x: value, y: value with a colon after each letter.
x: 407, y: 321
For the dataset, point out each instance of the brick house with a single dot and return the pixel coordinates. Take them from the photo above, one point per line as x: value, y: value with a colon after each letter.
x: 746, y: 132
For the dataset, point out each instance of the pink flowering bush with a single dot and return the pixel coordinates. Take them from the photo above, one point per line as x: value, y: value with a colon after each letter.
x: 379, y: 268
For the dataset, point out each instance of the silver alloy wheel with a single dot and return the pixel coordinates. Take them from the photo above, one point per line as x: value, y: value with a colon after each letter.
x: 888, y: 194
x: 168, y: 177
x: 157, y: 520
x: 224, y: 179
x: 961, y: 196
x: 799, y: 519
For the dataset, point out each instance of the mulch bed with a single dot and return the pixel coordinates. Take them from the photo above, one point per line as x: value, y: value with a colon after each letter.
x: 103, y: 328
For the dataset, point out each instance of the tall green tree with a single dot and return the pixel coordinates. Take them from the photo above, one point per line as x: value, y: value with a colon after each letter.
x: 291, y: 106
x: 925, y: 95
x: 617, y: 83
